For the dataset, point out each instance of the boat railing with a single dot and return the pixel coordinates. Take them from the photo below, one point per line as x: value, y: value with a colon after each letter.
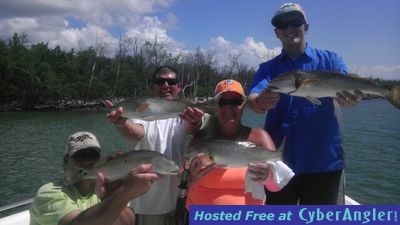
x: 15, y: 207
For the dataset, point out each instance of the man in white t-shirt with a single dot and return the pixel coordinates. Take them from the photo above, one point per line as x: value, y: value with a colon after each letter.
x: 167, y: 136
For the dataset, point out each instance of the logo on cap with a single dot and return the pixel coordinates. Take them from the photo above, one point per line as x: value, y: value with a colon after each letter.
x: 81, y: 138
x: 229, y: 85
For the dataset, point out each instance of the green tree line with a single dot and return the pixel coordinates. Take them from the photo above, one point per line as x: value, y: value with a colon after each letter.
x: 36, y: 74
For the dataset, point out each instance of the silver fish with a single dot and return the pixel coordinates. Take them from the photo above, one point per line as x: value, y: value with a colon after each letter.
x: 148, y: 108
x: 120, y: 166
x: 318, y: 84
x: 227, y: 153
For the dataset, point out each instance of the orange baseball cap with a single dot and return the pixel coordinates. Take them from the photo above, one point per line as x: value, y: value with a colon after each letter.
x: 228, y: 85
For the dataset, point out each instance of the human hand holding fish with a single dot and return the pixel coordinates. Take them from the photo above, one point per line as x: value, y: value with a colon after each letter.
x: 266, y: 100
x: 193, y: 119
x: 199, y: 167
x: 259, y: 171
x: 347, y: 99
x: 127, y: 128
x: 114, y: 116
x: 192, y: 115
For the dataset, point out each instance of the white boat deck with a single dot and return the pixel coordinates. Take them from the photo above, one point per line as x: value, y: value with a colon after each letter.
x: 21, y: 218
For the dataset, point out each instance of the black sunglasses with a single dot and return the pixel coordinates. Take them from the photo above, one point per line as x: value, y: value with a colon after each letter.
x: 231, y: 102
x: 161, y: 81
x: 293, y: 23
x: 86, y: 155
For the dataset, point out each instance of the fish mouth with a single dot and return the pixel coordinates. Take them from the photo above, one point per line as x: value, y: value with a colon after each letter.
x: 171, y: 172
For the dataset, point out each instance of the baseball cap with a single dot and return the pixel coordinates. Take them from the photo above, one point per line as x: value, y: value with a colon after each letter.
x: 288, y: 9
x: 81, y: 140
x: 228, y: 85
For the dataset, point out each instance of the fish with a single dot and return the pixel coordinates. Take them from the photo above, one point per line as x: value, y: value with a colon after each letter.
x: 318, y: 84
x: 228, y: 153
x: 119, y: 167
x: 149, y: 108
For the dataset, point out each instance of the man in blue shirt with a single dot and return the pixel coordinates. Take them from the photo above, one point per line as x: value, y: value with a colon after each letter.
x: 313, y: 147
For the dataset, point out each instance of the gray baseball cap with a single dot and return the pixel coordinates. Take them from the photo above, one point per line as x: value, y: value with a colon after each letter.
x: 81, y: 140
x: 286, y: 10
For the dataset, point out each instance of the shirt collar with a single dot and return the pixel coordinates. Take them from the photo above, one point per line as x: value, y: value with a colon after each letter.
x: 307, y: 53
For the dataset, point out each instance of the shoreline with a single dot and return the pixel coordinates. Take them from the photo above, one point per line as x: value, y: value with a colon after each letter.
x: 79, y: 105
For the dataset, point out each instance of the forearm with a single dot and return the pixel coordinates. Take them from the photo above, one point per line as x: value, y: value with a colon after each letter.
x: 126, y: 217
x: 130, y: 130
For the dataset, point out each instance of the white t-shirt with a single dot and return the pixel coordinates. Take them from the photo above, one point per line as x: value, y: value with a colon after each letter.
x: 168, y: 137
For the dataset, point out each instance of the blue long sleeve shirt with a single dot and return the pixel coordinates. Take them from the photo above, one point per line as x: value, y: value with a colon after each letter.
x: 313, y: 140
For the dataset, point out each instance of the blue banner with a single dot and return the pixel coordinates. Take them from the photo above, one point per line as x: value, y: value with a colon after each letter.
x: 313, y: 214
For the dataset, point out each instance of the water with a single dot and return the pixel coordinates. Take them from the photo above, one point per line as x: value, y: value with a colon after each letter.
x: 372, y: 145
x: 32, y: 145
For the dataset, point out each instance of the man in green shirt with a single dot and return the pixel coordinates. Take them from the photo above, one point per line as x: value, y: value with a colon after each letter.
x: 75, y: 201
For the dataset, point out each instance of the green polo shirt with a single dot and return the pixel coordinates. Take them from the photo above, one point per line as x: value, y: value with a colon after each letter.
x: 54, y: 201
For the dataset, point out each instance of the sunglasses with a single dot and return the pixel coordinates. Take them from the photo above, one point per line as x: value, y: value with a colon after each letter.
x: 161, y: 81
x: 231, y: 102
x: 293, y: 23
x: 86, y: 155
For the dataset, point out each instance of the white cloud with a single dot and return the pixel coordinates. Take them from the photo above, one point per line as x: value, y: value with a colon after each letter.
x: 250, y: 52
x: 90, y: 35
x: 52, y: 21
x: 19, y: 24
x: 46, y: 18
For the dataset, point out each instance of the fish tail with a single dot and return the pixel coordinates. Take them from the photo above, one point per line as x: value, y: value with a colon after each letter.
x: 394, y: 96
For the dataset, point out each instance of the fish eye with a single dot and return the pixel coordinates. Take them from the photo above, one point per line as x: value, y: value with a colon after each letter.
x: 82, y: 172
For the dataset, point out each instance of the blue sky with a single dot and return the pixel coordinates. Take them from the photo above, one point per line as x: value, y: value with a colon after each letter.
x: 365, y: 33
x: 356, y: 29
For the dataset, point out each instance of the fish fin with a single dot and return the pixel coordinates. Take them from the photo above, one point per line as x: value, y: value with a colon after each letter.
x: 353, y: 75
x: 314, y: 100
x: 100, y: 162
x: 272, y: 88
x: 394, y: 96
x: 143, y: 107
x: 282, y: 146
x: 187, y: 101
x: 309, y: 82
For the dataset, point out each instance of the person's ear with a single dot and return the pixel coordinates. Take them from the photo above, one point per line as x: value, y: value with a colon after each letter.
x: 306, y: 27
x: 276, y: 33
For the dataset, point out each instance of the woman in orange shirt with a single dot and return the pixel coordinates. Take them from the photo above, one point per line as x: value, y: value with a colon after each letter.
x: 210, y: 185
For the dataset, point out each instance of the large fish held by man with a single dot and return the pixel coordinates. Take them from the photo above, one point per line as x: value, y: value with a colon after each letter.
x: 149, y: 108
x: 318, y: 84
x: 227, y: 153
x: 119, y: 167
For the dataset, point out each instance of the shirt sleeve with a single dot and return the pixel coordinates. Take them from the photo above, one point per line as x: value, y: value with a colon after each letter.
x: 260, y: 79
x: 50, y: 206
x: 338, y: 64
